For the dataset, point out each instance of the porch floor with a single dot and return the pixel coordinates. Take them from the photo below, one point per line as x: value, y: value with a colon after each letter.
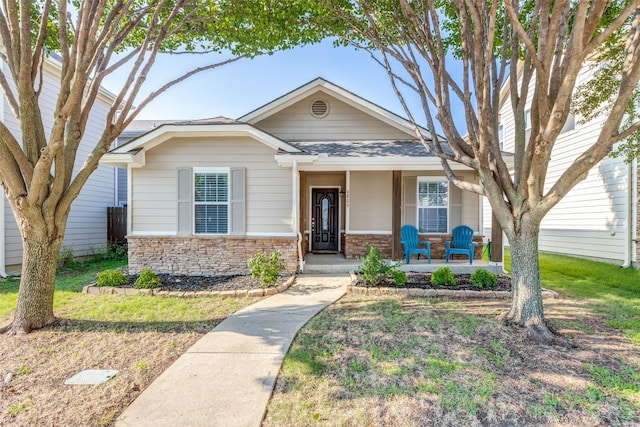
x: 337, y: 263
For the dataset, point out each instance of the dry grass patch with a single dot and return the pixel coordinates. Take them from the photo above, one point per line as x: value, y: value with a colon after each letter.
x: 389, y: 361
x: 138, y: 336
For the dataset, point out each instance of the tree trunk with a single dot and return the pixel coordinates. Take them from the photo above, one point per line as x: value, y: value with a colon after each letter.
x: 35, y: 298
x: 526, y: 305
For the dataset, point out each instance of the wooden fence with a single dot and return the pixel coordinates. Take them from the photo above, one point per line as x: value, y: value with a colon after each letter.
x: 117, y: 226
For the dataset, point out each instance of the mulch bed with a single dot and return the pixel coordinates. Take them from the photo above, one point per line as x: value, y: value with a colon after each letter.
x: 423, y: 281
x: 184, y: 283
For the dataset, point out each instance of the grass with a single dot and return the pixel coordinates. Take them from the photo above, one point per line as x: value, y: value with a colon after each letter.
x: 136, y: 335
x: 609, y: 290
x: 385, y: 360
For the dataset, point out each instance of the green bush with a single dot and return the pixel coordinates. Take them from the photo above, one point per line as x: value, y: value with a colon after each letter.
x: 443, y: 276
x: 399, y: 277
x: 374, y: 270
x: 111, y: 278
x: 147, y: 279
x: 484, y: 279
x: 266, y: 268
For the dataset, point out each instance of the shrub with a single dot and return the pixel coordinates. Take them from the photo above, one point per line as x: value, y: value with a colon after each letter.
x: 111, y: 278
x: 399, y: 277
x: 147, y: 279
x: 443, y: 276
x: 484, y: 279
x: 266, y: 268
x: 374, y: 270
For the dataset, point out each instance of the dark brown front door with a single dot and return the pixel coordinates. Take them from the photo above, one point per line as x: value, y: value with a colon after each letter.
x: 324, y: 219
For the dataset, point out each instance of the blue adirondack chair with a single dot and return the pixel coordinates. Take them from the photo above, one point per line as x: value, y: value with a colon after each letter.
x: 462, y: 242
x: 409, y: 236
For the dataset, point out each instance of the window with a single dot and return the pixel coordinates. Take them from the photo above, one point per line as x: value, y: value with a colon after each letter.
x: 527, y: 119
x: 433, y: 205
x: 501, y: 135
x: 211, y: 201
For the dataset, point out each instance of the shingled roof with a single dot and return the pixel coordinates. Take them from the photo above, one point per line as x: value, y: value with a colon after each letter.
x: 371, y: 148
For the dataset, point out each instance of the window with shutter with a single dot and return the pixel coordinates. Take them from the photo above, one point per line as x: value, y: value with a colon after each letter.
x: 211, y: 201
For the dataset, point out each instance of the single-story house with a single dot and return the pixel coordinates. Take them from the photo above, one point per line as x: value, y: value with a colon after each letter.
x: 86, y: 231
x: 318, y: 169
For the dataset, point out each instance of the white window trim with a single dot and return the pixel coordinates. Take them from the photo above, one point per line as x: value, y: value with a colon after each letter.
x: 501, y: 135
x: 418, y: 207
x: 194, y: 203
x: 527, y: 119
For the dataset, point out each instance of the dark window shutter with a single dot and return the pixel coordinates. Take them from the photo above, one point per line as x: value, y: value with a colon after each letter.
x: 237, y: 201
x: 185, y: 189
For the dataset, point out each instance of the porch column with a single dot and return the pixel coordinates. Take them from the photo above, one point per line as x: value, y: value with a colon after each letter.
x: 496, y: 245
x: 396, y: 213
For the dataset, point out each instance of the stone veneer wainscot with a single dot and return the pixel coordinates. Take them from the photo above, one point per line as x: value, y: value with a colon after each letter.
x: 355, y: 245
x: 205, y: 256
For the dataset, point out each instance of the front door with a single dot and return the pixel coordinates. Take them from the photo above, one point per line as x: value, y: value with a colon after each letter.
x: 324, y: 219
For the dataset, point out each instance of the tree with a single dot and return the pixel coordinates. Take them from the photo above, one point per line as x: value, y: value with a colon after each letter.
x: 93, y: 39
x: 460, y: 54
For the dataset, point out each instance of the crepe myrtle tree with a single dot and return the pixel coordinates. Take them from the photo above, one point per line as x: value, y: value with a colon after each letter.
x: 92, y: 39
x: 459, y: 54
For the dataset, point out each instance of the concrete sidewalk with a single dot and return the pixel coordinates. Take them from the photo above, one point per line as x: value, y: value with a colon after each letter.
x: 226, y: 378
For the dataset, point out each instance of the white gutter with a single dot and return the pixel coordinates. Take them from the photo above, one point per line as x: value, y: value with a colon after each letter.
x: 3, y: 273
x: 629, y: 235
x: 295, y: 178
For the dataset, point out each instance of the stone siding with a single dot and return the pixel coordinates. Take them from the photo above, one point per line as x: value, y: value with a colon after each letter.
x: 206, y: 256
x: 438, y: 247
x: 355, y: 245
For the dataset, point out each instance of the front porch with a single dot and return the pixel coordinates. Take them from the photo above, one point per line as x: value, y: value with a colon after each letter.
x: 337, y: 263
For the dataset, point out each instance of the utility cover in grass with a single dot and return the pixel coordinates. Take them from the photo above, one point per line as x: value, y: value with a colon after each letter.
x: 91, y: 376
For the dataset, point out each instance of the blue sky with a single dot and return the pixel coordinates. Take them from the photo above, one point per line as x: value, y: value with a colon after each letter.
x: 236, y: 89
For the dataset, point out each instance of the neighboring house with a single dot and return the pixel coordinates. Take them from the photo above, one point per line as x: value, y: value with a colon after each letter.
x: 86, y: 231
x: 599, y: 218
x: 319, y: 169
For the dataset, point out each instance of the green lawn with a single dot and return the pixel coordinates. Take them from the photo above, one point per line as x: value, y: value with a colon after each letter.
x: 609, y: 290
x: 146, y: 312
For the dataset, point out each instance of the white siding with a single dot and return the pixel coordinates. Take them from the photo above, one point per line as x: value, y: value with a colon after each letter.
x: 87, y: 225
x: 268, y: 188
x: 343, y: 122
x: 591, y: 221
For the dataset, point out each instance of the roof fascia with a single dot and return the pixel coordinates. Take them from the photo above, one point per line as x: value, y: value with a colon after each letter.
x: 167, y: 131
x: 337, y: 92
x: 124, y: 160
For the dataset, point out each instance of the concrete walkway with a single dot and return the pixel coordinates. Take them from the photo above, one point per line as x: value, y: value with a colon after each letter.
x: 226, y: 378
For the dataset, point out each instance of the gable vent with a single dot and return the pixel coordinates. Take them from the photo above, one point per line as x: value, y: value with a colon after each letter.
x: 319, y: 108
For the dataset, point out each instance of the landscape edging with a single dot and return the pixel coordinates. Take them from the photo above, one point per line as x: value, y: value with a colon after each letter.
x: 451, y: 293
x: 258, y: 292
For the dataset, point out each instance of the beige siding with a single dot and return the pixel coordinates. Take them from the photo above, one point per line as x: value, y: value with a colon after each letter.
x: 464, y: 207
x: 268, y: 188
x: 86, y: 231
x: 370, y: 201
x: 591, y: 221
x: 343, y: 122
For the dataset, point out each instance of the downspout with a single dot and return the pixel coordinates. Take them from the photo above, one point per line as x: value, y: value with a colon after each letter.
x: 295, y: 176
x: 629, y: 238
x: 3, y: 273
